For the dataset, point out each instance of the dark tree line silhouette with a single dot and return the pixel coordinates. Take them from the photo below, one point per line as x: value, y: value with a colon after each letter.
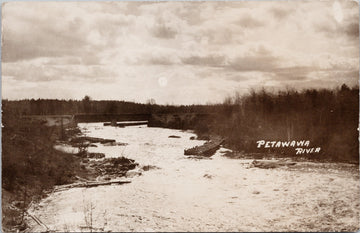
x: 88, y: 106
x: 327, y: 118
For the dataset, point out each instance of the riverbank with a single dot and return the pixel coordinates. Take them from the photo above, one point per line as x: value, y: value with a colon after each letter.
x: 32, y: 166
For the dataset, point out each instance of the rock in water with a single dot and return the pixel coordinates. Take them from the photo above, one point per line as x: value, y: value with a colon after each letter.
x: 95, y: 155
x: 131, y: 174
x: 149, y: 167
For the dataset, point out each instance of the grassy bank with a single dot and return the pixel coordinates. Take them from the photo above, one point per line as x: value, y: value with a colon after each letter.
x: 30, y: 165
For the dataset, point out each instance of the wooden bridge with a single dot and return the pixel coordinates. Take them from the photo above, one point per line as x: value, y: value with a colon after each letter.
x: 82, y: 118
x: 167, y: 120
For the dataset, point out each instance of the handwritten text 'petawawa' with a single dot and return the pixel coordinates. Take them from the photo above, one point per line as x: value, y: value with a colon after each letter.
x: 282, y: 144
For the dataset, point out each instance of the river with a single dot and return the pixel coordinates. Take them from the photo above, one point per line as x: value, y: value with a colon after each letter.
x: 220, y: 194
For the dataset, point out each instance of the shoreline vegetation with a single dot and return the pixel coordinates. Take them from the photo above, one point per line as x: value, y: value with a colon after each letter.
x: 32, y: 168
x: 327, y: 119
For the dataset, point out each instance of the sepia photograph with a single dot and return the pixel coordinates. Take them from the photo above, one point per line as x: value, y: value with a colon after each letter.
x: 180, y: 116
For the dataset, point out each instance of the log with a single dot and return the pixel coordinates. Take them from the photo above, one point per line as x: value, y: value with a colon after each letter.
x: 271, y: 164
x: 131, y: 123
x: 91, y: 140
x: 124, y: 124
x: 197, y: 157
x: 94, y: 184
x: 38, y: 221
x: 115, y: 144
x: 207, y: 150
x: 80, y: 178
x: 89, y: 184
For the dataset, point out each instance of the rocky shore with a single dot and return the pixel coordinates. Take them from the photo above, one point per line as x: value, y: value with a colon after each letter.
x: 92, y: 169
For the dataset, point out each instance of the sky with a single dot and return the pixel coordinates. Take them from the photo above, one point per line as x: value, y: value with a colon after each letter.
x: 176, y: 52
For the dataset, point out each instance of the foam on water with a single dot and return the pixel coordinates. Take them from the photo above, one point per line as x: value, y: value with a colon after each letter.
x: 198, y: 195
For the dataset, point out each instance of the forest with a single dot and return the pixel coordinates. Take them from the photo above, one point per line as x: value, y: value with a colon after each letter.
x: 89, y: 106
x: 327, y: 118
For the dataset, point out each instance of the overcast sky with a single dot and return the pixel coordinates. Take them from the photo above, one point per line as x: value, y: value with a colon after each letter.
x: 175, y: 52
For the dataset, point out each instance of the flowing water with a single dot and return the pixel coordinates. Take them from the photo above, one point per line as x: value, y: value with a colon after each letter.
x: 202, y: 195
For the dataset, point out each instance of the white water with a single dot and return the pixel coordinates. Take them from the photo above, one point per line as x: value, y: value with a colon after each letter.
x: 201, y: 195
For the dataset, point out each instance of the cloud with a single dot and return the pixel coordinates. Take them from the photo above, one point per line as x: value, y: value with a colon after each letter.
x: 252, y: 63
x: 166, y: 22
x: 249, y: 22
x: 210, y: 60
x: 218, y: 36
x: 280, y: 13
x: 293, y: 73
x: 191, y: 12
x: 78, y: 30
x: 30, y: 35
x: 159, y: 61
x: 350, y: 29
x: 17, y: 47
x: 348, y: 26
x: 48, y: 73
x: 163, y: 31
x: 120, y: 49
x: 109, y: 28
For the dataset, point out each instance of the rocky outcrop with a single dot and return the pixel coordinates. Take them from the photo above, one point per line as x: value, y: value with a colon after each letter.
x: 109, y: 168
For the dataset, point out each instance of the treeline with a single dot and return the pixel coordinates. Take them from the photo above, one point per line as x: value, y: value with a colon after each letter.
x: 88, y: 106
x: 327, y: 118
